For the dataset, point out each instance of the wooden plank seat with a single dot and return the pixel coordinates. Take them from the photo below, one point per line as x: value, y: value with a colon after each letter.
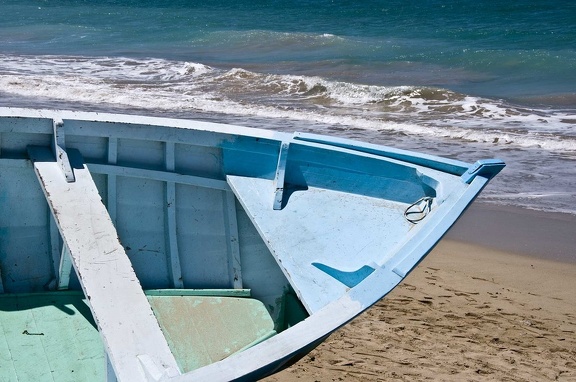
x: 142, y: 336
x: 53, y: 336
x: 306, y: 248
x: 133, y: 340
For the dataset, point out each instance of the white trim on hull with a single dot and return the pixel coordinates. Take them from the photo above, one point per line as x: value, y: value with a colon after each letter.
x: 171, y: 188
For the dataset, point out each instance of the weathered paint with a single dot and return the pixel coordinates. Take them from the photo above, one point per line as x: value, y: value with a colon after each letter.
x: 105, y: 273
x: 204, y: 329
x: 339, y: 239
x: 49, y: 337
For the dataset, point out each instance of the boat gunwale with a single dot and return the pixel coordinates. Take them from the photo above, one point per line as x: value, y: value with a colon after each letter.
x: 188, y: 128
x: 287, y: 344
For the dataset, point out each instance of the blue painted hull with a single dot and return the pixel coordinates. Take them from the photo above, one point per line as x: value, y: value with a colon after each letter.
x: 317, y: 228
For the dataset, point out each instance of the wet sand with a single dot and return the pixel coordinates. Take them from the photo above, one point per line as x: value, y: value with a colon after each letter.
x: 478, y: 308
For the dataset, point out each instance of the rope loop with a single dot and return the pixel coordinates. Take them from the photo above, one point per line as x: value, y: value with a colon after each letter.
x: 420, y: 208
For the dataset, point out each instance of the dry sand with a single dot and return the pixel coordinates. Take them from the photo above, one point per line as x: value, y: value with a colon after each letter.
x: 468, y: 312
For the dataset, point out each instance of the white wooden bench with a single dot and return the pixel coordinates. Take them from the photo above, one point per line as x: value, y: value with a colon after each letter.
x: 308, y: 249
x: 132, y: 337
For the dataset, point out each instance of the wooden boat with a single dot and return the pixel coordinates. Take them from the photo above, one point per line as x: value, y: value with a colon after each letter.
x: 149, y: 249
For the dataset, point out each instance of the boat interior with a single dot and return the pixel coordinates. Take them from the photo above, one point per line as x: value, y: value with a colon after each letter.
x: 105, y: 221
x: 179, y: 226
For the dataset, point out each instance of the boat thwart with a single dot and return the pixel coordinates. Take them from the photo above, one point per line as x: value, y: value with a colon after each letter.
x: 145, y: 249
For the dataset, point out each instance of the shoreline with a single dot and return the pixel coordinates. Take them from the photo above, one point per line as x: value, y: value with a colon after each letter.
x: 541, y: 234
x: 494, y: 300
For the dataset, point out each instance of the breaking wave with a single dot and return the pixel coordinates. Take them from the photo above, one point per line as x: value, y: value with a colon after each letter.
x: 180, y: 86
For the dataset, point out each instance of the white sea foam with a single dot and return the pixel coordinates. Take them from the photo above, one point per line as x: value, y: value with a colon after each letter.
x: 178, y: 86
x: 533, y: 195
x: 194, y: 69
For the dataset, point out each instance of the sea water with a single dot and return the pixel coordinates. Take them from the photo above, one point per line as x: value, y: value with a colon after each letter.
x: 466, y: 79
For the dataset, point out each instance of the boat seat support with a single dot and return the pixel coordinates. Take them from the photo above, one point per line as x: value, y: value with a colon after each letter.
x: 174, y: 266
x: 280, y: 175
x: 231, y: 227
x: 65, y: 268
x: 59, y: 149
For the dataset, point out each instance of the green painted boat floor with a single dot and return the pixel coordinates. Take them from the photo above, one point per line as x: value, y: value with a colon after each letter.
x: 201, y: 330
x: 52, y: 336
x: 49, y: 337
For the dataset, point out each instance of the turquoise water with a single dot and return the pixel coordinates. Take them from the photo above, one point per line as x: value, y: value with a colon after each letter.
x: 466, y: 79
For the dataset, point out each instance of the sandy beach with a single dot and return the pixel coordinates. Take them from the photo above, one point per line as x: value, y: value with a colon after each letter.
x: 494, y: 301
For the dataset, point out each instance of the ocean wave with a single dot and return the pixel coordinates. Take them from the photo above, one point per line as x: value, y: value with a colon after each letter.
x: 178, y: 86
x: 282, y: 43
